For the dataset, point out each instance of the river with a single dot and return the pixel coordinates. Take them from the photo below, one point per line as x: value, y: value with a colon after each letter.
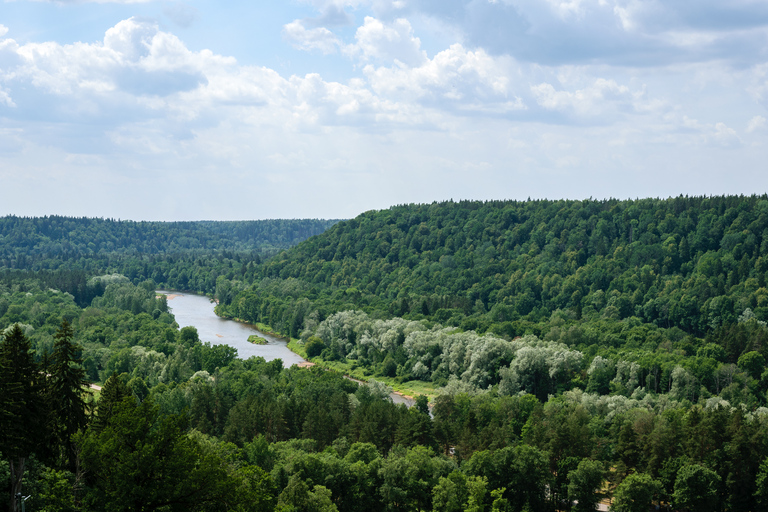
x: 197, y: 311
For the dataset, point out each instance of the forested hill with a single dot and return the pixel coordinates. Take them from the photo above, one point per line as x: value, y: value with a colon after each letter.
x: 34, y: 242
x: 695, y: 263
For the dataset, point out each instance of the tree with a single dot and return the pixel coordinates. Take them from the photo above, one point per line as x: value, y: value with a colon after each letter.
x: 696, y: 488
x: 137, y: 461
x: 584, y: 484
x: 762, y: 484
x: 297, y: 497
x: 67, y: 390
x: 188, y: 336
x: 753, y: 363
x: 113, y: 393
x: 22, y: 406
x: 450, y: 493
x: 635, y: 493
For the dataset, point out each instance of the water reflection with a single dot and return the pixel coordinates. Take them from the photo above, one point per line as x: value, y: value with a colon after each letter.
x: 197, y: 311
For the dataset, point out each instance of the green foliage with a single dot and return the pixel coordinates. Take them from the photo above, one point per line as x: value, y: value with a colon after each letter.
x: 566, y: 336
x: 696, y: 488
x: 139, y: 461
x: 761, y: 493
x: 636, y: 493
x: 28, y: 241
x: 22, y: 406
x: 67, y: 390
x: 56, y: 491
x: 584, y: 485
x: 753, y: 363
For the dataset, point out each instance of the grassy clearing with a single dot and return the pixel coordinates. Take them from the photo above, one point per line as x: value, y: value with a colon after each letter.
x: 297, y: 348
x: 411, y: 388
x: 350, y: 369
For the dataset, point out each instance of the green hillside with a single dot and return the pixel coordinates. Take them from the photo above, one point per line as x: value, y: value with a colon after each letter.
x: 652, y: 278
x: 563, y: 352
x: 693, y: 263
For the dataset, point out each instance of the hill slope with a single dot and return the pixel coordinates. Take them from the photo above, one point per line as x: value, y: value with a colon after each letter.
x: 693, y: 263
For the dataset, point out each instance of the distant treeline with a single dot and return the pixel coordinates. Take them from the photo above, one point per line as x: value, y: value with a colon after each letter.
x: 65, y: 253
x: 51, y: 242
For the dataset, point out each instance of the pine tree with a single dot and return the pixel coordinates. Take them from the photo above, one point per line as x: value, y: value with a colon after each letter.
x: 22, y: 406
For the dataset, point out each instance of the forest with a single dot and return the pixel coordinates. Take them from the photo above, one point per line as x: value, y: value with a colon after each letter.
x: 561, y: 353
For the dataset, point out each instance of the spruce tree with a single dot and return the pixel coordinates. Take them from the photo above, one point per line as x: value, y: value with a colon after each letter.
x: 22, y: 406
x: 113, y: 393
x: 67, y: 391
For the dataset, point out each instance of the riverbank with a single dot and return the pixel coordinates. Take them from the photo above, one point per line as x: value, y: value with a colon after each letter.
x: 407, y: 390
x: 196, y: 310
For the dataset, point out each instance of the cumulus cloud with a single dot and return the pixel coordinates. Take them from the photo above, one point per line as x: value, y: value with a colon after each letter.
x: 142, y: 92
x: 5, y: 99
x: 320, y: 38
x: 392, y: 42
x: 694, y: 132
x: 596, y: 99
x: 135, y: 55
x: 332, y: 15
x: 454, y: 78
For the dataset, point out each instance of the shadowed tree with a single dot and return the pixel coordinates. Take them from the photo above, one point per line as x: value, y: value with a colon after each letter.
x: 67, y: 390
x: 696, y: 488
x: 139, y: 462
x: 22, y: 406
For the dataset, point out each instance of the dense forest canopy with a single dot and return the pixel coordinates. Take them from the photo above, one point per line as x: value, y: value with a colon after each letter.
x: 694, y: 263
x: 45, y: 242
x: 67, y: 252
x: 572, y: 351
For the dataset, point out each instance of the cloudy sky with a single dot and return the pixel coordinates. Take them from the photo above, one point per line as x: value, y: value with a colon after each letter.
x: 156, y: 110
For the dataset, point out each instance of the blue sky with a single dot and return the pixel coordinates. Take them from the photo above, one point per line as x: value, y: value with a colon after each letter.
x: 154, y: 110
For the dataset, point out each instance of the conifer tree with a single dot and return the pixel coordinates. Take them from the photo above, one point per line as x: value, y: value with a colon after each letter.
x: 113, y: 393
x: 67, y: 390
x: 22, y: 406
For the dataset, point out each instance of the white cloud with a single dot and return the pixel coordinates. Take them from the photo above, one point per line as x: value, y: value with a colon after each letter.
x: 320, y: 38
x: 135, y: 57
x: 393, y: 42
x: 692, y: 132
x: 140, y: 110
x: 3, y: 30
x: 594, y: 100
x: 5, y: 99
x: 757, y: 123
x: 455, y: 76
x: 725, y: 136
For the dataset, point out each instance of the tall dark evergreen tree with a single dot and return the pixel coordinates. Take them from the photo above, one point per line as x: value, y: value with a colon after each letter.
x: 112, y: 394
x: 67, y: 390
x: 22, y: 421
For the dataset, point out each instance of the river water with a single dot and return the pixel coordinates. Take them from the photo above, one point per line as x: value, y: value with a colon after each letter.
x: 197, y: 311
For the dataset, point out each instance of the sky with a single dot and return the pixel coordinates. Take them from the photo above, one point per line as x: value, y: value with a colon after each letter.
x: 191, y: 110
